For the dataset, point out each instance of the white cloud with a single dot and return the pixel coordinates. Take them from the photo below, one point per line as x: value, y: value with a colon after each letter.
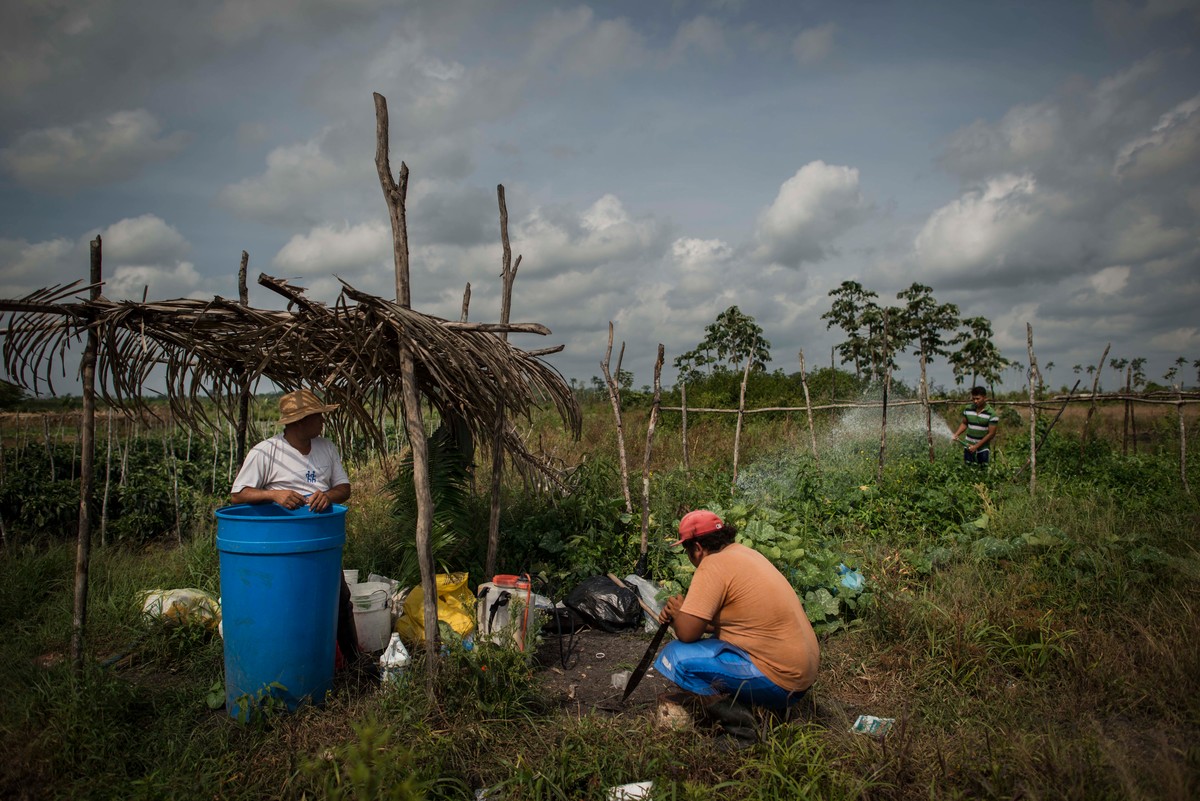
x: 1110, y: 280
x: 32, y: 265
x: 143, y: 240
x: 295, y: 175
x: 158, y: 281
x: 117, y: 147
x: 1173, y: 144
x: 339, y: 249
x: 1185, y: 340
x: 813, y: 45
x: 602, y: 234
x: 813, y: 207
x: 702, y: 36
x: 238, y: 21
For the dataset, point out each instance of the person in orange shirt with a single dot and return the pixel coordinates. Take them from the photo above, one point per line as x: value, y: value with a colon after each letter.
x: 741, y: 631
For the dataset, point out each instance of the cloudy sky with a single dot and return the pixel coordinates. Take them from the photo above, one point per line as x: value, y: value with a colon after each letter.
x: 1032, y: 162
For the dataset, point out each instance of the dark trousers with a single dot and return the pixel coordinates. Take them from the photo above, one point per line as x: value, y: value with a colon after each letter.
x: 347, y: 634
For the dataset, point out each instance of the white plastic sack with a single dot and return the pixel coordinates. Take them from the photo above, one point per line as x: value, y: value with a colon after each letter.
x: 181, y: 607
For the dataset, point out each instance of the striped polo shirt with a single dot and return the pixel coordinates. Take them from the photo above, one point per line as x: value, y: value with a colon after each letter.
x: 978, y: 423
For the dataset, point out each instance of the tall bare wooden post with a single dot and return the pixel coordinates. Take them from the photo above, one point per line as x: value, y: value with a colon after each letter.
x: 741, y: 414
x: 887, y: 385
x: 614, y: 397
x: 244, y: 394
x: 1034, y: 378
x: 1087, y: 421
x: 928, y: 409
x: 683, y: 410
x: 654, y: 407
x: 507, y: 276
x: 87, y: 437
x: 1128, y: 410
x: 1182, y: 439
x: 395, y: 194
x: 812, y: 431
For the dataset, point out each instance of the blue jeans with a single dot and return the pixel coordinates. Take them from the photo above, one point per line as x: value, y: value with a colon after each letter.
x: 711, y: 666
x: 978, y: 457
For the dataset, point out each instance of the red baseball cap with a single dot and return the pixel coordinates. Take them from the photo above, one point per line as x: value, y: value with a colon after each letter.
x: 698, y: 524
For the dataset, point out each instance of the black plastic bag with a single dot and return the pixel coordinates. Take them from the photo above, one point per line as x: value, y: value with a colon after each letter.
x: 605, y: 605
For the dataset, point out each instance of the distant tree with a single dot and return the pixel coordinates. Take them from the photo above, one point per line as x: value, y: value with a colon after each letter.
x: 1139, y: 371
x: 977, y: 356
x: 728, y: 341
x: 924, y: 322
x: 625, y: 380
x: 855, y: 312
x: 1077, y: 369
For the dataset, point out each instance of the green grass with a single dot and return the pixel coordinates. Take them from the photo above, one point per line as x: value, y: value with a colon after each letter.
x: 1036, y: 646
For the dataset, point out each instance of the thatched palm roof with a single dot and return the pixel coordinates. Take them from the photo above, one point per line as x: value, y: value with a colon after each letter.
x: 348, y: 351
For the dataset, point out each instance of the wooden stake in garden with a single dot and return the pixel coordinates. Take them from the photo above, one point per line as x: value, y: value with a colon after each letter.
x: 650, y: 426
x: 614, y: 396
x: 683, y: 410
x: 1128, y: 412
x: 244, y: 389
x: 1092, y: 407
x: 394, y: 194
x: 887, y: 385
x: 107, y: 483
x: 928, y: 409
x: 508, y: 274
x: 812, y: 432
x: 1033, y: 380
x: 1182, y: 440
x: 741, y: 415
x: 87, y: 435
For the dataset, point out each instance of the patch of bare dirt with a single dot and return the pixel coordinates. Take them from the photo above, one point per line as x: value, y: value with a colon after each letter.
x: 577, y: 672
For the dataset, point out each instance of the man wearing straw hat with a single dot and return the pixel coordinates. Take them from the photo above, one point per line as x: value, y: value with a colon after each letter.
x: 299, y: 468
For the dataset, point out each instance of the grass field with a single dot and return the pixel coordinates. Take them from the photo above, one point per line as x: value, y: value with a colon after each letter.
x: 1035, y: 647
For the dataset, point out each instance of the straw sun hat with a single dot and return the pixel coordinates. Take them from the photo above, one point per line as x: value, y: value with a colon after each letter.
x: 300, y: 404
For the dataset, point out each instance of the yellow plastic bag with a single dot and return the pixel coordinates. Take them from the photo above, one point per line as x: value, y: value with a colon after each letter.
x: 181, y: 607
x: 456, y: 608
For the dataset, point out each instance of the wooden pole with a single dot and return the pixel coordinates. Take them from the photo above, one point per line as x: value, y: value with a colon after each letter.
x: 928, y: 410
x: 107, y: 484
x: 887, y: 385
x: 1092, y: 408
x: 508, y: 273
x: 1034, y: 379
x: 87, y: 435
x: 1182, y: 440
x: 684, y: 409
x: 1128, y: 412
x: 654, y: 407
x: 244, y: 391
x: 812, y: 431
x: 614, y: 397
x: 741, y: 414
x: 395, y: 194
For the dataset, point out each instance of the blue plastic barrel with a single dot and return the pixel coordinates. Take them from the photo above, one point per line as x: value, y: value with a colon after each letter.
x: 280, y: 582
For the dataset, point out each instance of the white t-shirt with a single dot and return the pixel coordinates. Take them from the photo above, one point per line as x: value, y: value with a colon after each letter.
x: 274, y: 464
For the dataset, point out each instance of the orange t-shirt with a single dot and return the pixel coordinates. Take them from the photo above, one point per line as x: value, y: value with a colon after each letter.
x: 751, y: 605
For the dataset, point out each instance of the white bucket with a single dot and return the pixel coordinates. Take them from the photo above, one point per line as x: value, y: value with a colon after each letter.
x: 351, y: 577
x: 372, y: 619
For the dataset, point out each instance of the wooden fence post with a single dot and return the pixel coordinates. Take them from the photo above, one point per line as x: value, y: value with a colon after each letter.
x: 87, y: 435
x: 812, y: 432
x: 243, y: 420
x: 614, y: 397
x: 394, y: 194
x: 683, y: 409
x: 741, y: 414
x: 1092, y: 408
x: 1034, y: 377
x: 1182, y: 440
x: 928, y: 409
x: 507, y: 275
x: 650, y: 426
x: 887, y: 385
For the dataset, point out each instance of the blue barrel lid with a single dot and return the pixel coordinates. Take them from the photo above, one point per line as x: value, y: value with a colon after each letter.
x: 270, y: 528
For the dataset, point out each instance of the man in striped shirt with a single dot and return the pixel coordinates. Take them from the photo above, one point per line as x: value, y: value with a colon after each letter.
x: 979, y: 421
